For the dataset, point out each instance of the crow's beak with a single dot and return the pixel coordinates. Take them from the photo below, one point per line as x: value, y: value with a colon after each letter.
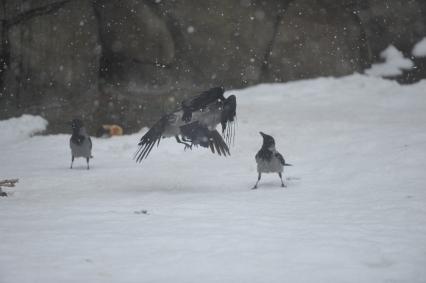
x: 262, y: 134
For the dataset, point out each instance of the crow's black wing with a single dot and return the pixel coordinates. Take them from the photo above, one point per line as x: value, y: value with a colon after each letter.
x: 201, y: 101
x: 281, y: 159
x: 151, y: 137
x: 216, y: 142
x: 90, y: 143
x: 206, y: 97
x: 227, y: 118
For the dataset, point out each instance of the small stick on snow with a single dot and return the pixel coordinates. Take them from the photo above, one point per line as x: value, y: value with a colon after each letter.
x: 8, y: 183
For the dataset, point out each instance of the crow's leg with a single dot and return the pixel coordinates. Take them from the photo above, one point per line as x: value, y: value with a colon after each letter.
x: 258, y: 179
x: 72, y: 161
x: 87, y: 159
x: 185, y: 139
x: 281, y: 177
x: 187, y: 145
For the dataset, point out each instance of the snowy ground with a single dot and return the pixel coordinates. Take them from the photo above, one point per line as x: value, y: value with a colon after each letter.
x: 354, y: 209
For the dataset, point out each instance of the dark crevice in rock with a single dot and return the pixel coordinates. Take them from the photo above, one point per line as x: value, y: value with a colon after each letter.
x: 264, y: 70
x: 366, y: 54
x: 4, y: 51
x: 4, y: 55
x: 104, y: 64
x: 365, y: 49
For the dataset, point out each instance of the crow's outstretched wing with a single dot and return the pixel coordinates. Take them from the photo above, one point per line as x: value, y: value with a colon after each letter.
x: 201, y: 101
x: 227, y: 118
x: 151, y: 137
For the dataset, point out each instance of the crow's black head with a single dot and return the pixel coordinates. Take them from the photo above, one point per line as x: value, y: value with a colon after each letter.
x: 212, y: 95
x: 268, y: 140
x: 76, y: 125
x: 217, y: 91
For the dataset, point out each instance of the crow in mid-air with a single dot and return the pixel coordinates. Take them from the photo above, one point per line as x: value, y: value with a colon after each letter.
x: 80, y: 142
x: 194, y: 123
x: 269, y: 160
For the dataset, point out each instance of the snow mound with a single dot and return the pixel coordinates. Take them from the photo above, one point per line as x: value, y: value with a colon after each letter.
x: 419, y: 49
x: 394, y: 64
x: 15, y: 129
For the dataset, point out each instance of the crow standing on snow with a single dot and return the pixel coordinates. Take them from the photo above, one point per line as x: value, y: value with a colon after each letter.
x: 194, y: 123
x: 269, y: 160
x: 80, y: 142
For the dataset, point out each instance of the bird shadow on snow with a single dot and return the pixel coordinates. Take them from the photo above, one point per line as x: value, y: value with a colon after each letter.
x: 270, y: 184
x: 79, y: 168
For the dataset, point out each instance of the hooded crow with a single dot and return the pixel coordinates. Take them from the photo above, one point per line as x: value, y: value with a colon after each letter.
x: 269, y: 160
x: 194, y: 123
x: 211, y: 108
x: 80, y: 142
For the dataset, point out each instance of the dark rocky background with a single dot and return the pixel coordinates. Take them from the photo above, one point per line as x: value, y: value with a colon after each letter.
x: 128, y: 61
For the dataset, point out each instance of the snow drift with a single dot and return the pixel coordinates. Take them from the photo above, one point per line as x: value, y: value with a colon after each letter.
x: 21, y: 128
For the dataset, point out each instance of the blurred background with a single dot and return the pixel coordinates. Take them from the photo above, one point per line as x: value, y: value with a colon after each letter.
x: 126, y: 62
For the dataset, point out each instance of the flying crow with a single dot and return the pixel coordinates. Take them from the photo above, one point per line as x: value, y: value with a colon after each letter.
x: 269, y: 160
x: 194, y: 123
x: 80, y: 142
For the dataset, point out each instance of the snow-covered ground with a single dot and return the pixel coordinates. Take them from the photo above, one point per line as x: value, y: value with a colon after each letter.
x: 354, y: 209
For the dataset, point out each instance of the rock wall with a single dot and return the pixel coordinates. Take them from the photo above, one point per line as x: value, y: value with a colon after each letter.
x: 129, y: 61
x: 52, y: 61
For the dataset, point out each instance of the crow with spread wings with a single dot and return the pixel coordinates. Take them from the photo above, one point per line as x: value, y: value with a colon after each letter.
x: 194, y: 123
